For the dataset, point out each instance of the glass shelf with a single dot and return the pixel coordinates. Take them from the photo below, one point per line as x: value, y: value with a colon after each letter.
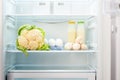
x: 54, y: 51
x: 85, y: 72
x: 49, y: 15
x: 37, y: 68
x: 50, y: 18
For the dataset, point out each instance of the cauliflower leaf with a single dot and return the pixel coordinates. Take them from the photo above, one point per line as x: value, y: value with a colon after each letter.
x: 44, y: 47
x: 24, y: 50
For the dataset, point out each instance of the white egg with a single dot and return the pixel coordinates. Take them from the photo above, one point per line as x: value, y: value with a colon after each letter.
x: 84, y: 47
x: 79, y: 40
x: 68, y: 46
x: 51, y: 42
x: 76, y: 46
x: 59, y: 47
x: 59, y: 42
x: 52, y: 47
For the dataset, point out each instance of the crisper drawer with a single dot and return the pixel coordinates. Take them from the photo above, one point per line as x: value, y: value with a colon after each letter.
x: 54, y: 79
x: 51, y: 76
x: 51, y: 73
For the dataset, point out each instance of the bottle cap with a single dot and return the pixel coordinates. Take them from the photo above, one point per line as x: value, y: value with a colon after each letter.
x: 71, y: 22
x: 81, y: 22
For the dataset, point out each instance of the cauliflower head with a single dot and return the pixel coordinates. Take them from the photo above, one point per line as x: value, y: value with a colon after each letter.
x: 31, y: 37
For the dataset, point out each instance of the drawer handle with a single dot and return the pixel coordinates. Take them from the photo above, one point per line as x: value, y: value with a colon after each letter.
x: 41, y: 4
x: 60, y: 4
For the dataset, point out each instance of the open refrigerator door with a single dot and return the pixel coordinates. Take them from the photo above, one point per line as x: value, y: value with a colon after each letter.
x: 115, y: 17
x: 112, y: 8
x: 1, y: 48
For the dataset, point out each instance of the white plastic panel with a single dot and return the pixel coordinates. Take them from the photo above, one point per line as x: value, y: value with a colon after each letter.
x: 56, y: 7
x: 52, y: 79
x: 11, y: 8
x: 89, y: 76
x: 9, y: 30
x: 62, y: 8
x: 33, y: 7
x: 54, y: 0
x: 80, y: 8
x: 117, y: 48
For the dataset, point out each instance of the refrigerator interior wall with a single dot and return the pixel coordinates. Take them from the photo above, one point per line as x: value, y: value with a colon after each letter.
x: 8, y: 32
x: 9, y: 60
x: 54, y: 28
x: 21, y: 12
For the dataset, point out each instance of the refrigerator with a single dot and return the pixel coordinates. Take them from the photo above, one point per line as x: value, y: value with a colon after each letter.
x: 100, y: 61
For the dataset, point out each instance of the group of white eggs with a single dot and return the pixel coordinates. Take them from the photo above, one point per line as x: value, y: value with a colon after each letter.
x: 57, y: 44
x: 77, y: 45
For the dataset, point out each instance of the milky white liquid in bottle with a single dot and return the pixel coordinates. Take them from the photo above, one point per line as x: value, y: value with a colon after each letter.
x: 71, y: 31
x: 81, y: 30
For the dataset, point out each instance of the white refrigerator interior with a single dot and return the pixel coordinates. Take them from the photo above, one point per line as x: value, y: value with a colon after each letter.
x: 53, y: 16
